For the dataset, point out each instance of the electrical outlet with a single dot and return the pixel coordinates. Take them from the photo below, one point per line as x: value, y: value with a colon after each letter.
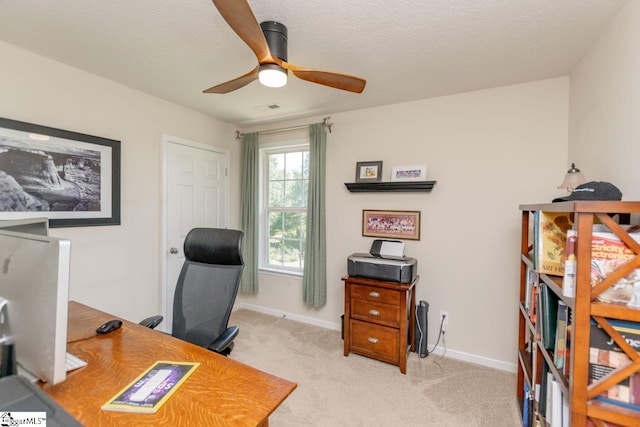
x: 444, y: 315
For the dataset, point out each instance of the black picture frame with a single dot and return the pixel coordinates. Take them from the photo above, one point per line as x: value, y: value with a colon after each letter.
x: 71, y: 178
x: 369, y: 171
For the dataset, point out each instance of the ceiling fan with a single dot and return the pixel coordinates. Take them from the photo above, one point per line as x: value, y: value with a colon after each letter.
x: 268, y: 41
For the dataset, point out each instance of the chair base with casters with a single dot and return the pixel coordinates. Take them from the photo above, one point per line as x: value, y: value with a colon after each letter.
x: 206, y: 289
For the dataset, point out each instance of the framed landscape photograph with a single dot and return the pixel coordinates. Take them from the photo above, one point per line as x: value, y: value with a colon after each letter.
x: 409, y: 173
x: 369, y: 171
x: 391, y: 224
x: 71, y: 178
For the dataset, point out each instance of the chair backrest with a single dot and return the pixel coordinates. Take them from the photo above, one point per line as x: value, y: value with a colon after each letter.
x: 207, y: 285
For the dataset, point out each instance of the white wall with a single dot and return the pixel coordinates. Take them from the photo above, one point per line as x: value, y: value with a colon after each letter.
x: 114, y: 268
x: 489, y: 151
x: 605, y: 106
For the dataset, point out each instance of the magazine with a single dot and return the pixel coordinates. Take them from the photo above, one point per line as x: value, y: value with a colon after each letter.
x: 152, y: 389
x: 550, y: 241
x: 605, y: 357
x: 609, y: 253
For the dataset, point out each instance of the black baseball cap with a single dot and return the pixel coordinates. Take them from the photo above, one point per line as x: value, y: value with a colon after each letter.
x: 593, y: 190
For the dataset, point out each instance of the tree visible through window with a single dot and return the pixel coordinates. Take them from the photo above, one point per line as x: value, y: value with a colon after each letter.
x: 286, y: 208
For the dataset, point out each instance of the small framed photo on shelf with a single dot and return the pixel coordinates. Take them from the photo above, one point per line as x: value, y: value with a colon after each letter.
x: 369, y: 171
x: 391, y: 224
x: 409, y: 173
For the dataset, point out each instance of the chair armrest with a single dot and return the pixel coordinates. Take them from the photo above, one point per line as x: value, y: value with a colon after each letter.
x: 225, y: 340
x: 151, y: 322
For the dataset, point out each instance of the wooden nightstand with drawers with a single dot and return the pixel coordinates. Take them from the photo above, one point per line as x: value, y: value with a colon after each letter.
x: 379, y: 319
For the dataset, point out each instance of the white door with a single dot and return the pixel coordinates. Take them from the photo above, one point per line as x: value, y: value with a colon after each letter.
x: 196, y: 193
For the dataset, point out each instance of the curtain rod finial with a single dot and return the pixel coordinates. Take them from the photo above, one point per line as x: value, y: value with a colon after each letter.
x: 239, y: 135
x: 327, y: 123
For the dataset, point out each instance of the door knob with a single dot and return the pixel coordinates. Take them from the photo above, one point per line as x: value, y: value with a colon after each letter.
x: 173, y: 251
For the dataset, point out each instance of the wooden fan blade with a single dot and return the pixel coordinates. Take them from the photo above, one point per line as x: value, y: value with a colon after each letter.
x: 234, y: 84
x: 241, y: 19
x: 327, y: 78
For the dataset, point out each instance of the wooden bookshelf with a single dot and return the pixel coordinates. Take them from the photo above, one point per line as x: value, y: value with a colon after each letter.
x: 583, y: 404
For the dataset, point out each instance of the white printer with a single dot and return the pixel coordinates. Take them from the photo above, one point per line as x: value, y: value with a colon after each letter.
x: 385, y: 261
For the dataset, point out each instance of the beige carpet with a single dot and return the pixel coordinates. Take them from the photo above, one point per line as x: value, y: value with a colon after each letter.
x: 334, y: 390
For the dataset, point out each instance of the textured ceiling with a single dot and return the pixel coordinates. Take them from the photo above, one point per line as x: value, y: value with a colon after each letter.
x: 405, y: 49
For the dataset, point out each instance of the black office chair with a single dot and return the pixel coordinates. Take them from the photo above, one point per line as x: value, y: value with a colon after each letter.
x: 206, y: 289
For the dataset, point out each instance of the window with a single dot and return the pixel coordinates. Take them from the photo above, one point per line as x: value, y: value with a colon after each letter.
x: 284, y: 216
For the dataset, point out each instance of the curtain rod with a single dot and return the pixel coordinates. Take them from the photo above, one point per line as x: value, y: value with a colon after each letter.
x: 325, y: 122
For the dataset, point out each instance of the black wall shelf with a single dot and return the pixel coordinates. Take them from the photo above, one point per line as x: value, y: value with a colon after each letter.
x: 401, y: 186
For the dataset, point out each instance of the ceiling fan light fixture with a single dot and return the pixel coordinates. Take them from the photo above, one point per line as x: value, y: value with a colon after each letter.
x: 272, y: 75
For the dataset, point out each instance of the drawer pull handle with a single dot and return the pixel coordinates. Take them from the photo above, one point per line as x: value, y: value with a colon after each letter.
x: 374, y: 312
x: 374, y: 294
x: 373, y: 340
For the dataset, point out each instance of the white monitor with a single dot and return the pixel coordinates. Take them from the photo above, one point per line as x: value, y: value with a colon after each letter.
x: 34, y: 283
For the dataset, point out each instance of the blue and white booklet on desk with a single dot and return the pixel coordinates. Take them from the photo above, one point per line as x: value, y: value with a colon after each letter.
x: 152, y: 389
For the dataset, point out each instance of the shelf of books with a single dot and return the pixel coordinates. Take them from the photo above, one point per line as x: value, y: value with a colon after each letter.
x: 579, y: 322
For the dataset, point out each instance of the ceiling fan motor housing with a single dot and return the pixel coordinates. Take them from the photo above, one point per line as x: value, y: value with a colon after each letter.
x: 276, y: 35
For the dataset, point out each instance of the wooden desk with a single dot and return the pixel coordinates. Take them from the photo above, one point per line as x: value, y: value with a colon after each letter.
x: 220, y: 392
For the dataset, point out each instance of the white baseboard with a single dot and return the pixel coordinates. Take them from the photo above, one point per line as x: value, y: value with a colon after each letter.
x: 278, y: 313
x: 454, y: 354
x: 474, y: 358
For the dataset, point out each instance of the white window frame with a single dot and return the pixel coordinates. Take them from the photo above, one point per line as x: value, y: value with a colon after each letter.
x: 276, y: 143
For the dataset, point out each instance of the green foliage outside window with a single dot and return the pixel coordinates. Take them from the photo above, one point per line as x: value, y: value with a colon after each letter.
x: 288, y: 176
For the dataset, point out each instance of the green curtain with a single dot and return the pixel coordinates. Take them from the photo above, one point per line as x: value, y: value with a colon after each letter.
x: 249, y: 212
x: 314, y: 281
